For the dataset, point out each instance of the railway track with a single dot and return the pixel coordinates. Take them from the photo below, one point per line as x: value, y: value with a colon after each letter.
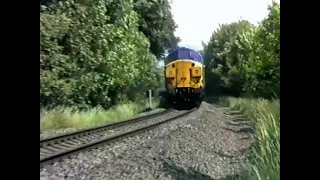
x: 62, y: 145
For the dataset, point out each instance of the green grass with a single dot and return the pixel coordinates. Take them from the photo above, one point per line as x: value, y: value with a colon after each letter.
x: 264, y: 154
x: 68, y: 117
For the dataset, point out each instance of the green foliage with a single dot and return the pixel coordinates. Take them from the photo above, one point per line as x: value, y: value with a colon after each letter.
x: 222, y: 55
x: 93, y: 53
x: 241, y: 58
x: 261, y: 65
x: 71, y: 117
x: 157, y: 23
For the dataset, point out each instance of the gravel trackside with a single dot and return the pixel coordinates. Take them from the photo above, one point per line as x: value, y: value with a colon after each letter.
x: 206, y: 145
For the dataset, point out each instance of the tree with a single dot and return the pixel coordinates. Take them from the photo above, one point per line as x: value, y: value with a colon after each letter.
x: 92, y: 53
x: 222, y: 57
x: 261, y: 67
x: 241, y: 58
x: 157, y: 23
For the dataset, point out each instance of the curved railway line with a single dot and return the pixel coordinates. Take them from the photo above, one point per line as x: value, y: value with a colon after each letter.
x: 59, y: 146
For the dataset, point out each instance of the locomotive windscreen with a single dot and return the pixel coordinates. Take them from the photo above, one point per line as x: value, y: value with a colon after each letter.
x: 196, y: 57
x: 184, y: 53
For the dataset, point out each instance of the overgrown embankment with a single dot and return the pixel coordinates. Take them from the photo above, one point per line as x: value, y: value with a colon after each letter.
x: 264, y: 154
x: 65, y: 117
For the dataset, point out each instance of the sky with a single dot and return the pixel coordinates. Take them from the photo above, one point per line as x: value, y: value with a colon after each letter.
x: 198, y: 19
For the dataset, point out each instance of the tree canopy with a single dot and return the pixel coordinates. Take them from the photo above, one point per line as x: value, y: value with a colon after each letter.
x: 97, y: 52
x: 242, y: 59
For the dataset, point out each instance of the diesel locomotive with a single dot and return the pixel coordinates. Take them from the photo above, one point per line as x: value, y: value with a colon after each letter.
x: 184, y: 77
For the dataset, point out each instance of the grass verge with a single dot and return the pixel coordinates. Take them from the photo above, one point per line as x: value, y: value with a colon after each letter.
x: 264, y: 154
x: 67, y: 117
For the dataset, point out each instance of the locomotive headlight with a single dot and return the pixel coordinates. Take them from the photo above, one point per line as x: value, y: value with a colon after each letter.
x: 170, y: 72
x: 196, y: 71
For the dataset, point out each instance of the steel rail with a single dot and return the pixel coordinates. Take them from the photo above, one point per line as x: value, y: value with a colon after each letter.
x: 74, y: 134
x: 67, y: 148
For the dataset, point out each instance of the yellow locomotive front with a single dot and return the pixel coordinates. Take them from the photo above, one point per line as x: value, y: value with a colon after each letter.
x: 184, y: 76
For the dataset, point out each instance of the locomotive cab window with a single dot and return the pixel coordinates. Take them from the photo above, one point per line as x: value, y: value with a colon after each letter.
x: 184, y: 53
